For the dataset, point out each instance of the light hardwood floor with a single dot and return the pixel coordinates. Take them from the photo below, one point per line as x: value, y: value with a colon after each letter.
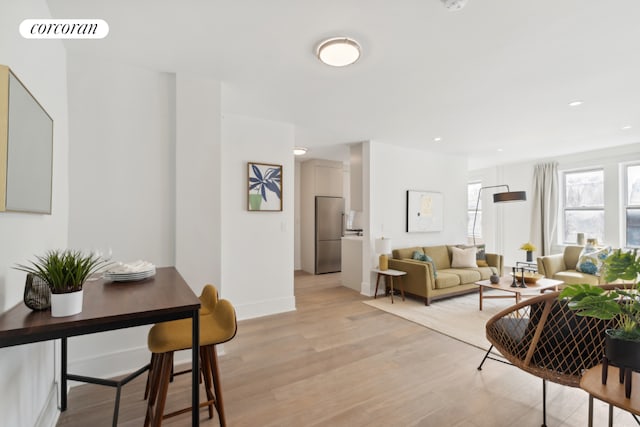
x: 338, y: 362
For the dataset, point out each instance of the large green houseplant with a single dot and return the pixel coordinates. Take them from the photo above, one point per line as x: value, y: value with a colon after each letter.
x: 65, y: 272
x: 622, y: 305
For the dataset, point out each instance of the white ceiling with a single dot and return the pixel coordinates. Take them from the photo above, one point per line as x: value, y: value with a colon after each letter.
x: 498, y: 74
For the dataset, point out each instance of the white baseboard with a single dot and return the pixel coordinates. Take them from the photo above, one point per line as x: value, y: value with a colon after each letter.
x: 265, y: 308
x: 124, y: 361
x: 110, y: 365
x: 49, y: 415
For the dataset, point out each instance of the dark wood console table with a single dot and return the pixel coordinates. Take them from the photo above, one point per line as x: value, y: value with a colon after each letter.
x: 108, y: 306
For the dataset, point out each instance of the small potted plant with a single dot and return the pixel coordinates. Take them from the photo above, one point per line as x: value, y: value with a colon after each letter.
x: 64, y: 271
x: 622, y: 344
x: 529, y: 247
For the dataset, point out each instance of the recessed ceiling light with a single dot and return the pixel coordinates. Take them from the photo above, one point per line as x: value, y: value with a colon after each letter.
x: 454, y: 5
x: 338, y: 51
x: 299, y: 151
x: 437, y: 139
x: 627, y: 127
x: 499, y: 150
x: 575, y: 103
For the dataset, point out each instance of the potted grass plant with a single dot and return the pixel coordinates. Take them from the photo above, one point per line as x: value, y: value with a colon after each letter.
x: 65, y: 272
x: 622, y: 305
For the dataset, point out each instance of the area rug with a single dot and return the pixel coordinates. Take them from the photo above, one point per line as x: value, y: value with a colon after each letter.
x: 456, y: 317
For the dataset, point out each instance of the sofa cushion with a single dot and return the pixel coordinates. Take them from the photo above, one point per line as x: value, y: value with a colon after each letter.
x: 486, y: 272
x: 439, y: 254
x: 463, y: 258
x: 447, y: 280
x: 570, y: 256
x: 481, y: 253
x: 405, y: 253
x: 467, y: 275
x: 420, y: 256
x: 570, y: 277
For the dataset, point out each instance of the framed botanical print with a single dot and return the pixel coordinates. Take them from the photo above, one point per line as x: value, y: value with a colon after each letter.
x: 265, y: 187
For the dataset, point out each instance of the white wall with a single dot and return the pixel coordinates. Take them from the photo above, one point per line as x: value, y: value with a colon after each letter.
x: 198, y: 181
x: 297, y: 245
x: 27, y: 372
x: 394, y: 170
x: 122, y: 186
x: 515, y: 218
x: 257, y: 247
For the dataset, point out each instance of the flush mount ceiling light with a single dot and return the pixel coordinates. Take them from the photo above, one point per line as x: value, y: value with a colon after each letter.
x: 299, y: 151
x: 338, y: 51
x: 453, y: 5
x: 575, y: 103
x: 437, y: 139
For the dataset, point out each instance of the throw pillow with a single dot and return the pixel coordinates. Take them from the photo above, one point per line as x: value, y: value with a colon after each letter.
x: 481, y: 255
x: 591, y: 259
x: 419, y: 256
x: 463, y: 258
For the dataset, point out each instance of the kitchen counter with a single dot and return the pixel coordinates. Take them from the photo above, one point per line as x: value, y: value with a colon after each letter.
x: 352, y: 262
x: 352, y: 237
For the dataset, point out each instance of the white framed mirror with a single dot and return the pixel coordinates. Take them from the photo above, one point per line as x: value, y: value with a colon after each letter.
x: 26, y: 148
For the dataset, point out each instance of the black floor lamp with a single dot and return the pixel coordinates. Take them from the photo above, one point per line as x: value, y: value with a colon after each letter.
x: 507, y: 196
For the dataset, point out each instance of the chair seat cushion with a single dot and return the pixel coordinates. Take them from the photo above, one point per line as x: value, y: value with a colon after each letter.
x: 572, y: 276
x: 216, y: 327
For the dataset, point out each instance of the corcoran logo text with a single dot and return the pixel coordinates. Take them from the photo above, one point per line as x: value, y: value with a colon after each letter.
x: 64, y: 29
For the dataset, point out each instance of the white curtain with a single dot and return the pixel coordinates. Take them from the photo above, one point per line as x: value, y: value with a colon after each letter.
x: 544, y: 206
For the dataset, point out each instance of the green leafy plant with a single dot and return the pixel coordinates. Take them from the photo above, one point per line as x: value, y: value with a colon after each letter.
x: 621, y: 265
x: 64, y: 271
x: 620, y: 305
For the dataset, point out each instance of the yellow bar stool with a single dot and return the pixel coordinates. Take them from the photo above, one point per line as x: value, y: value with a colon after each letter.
x: 217, y: 325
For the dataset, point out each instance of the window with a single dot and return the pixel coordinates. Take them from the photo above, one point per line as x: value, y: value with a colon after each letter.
x: 632, y: 205
x: 473, y: 188
x: 583, y: 205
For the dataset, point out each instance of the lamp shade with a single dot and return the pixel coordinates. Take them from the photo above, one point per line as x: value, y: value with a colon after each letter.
x: 383, y: 246
x: 510, y: 196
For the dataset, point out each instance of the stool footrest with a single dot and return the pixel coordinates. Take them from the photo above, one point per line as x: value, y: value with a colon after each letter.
x: 185, y: 410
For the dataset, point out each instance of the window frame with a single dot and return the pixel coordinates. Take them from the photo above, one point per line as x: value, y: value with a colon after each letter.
x: 471, y: 212
x: 626, y: 205
x: 564, y: 209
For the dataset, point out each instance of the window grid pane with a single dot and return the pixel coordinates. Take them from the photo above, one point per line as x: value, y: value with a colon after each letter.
x: 633, y: 227
x: 589, y: 222
x: 584, y: 189
x: 633, y: 185
x: 473, y: 189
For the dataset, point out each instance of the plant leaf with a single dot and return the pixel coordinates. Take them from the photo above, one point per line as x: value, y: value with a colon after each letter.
x: 256, y: 172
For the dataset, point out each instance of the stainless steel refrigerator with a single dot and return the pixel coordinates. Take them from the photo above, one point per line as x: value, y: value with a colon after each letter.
x: 329, y: 230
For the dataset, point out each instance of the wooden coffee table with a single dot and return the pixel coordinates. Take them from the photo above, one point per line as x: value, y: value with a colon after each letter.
x: 505, y: 285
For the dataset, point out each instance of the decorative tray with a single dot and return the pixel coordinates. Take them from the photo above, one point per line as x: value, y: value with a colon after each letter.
x: 529, y: 277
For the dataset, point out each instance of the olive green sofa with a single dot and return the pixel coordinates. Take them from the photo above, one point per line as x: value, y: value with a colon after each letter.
x: 421, y: 281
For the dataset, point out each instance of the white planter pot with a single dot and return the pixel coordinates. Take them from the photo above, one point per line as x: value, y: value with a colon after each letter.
x: 66, y: 304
